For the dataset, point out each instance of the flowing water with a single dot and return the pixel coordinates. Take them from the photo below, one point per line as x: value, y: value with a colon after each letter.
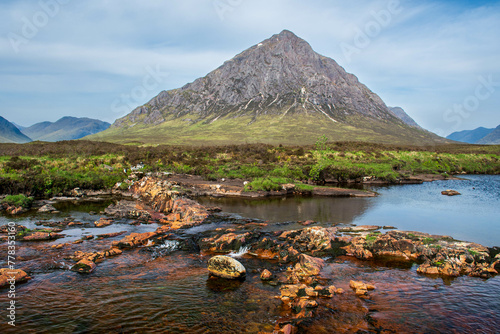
x: 167, y: 289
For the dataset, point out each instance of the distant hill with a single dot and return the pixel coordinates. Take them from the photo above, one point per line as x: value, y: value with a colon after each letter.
x: 493, y: 138
x: 278, y: 91
x: 9, y: 133
x: 20, y: 127
x: 67, y: 128
x: 402, y: 115
x: 470, y: 136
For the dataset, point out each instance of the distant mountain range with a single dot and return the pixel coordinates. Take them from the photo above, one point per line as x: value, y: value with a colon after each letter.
x: 9, y: 133
x: 67, y: 128
x: 277, y: 91
x: 477, y: 136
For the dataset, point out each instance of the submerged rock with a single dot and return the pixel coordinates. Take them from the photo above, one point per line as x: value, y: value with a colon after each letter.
x: 226, y: 267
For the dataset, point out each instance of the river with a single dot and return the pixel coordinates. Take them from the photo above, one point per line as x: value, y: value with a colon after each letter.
x: 140, y: 293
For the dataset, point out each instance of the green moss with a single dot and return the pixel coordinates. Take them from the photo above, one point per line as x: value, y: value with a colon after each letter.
x: 429, y: 241
x: 18, y: 200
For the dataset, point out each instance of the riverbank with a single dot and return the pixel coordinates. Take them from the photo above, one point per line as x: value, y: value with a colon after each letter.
x: 45, y: 170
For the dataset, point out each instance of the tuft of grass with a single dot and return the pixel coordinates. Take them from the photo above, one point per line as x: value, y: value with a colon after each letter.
x: 266, y: 184
x: 18, y: 200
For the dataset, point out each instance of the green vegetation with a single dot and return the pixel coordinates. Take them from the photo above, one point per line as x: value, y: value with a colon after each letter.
x: 266, y: 184
x: 18, y: 200
x: 45, y: 169
x: 429, y: 241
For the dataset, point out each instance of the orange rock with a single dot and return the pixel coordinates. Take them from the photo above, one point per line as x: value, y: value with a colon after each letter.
x: 84, y: 266
x: 266, y: 275
x: 7, y: 274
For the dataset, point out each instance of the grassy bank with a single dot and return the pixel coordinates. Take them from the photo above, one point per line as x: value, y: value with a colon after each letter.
x: 45, y: 169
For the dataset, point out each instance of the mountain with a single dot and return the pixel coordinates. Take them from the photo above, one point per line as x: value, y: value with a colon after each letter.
x: 492, y: 138
x: 9, y: 133
x: 402, y: 115
x: 20, y: 127
x: 470, y: 136
x: 278, y: 91
x: 67, y: 128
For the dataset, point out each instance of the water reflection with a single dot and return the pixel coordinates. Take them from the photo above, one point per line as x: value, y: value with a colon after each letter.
x: 472, y: 216
x: 321, y: 209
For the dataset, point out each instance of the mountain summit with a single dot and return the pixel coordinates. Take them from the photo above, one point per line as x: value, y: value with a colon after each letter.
x: 278, y: 91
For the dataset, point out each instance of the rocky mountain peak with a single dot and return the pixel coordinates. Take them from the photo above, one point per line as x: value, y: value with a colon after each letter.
x: 280, y: 81
x: 279, y: 75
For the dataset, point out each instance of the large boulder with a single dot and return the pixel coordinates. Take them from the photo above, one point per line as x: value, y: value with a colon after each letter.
x: 226, y: 267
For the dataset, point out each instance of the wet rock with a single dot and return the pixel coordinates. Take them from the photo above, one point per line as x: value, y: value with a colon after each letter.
x: 47, y: 208
x: 450, y: 192
x: 16, y: 228
x: 84, y: 266
x: 16, y: 210
x: 7, y: 276
x: 109, y: 235
x: 77, y: 192
x: 226, y: 267
x: 361, y: 228
x: 39, y: 236
x: 227, y: 242
x: 103, y: 222
x: 287, y: 329
x: 266, y: 275
x: 308, y: 266
x: 112, y: 252
x: 137, y: 239
x: 87, y: 237
x: 360, y: 288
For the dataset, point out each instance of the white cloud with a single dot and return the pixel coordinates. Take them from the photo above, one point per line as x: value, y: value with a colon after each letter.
x: 427, y: 57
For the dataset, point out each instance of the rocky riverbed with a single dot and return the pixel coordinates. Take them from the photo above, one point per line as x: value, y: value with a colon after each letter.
x: 297, y: 265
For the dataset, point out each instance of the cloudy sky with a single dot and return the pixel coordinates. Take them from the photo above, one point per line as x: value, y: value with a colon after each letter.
x: 439, y: 60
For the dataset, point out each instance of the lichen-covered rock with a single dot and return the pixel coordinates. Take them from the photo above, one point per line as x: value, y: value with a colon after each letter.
x: 84, y: 266
x: 226, y: 267
x: 308, y: 266
x: 8, y: 275
x: 136, y: 239
x: 39, y: 236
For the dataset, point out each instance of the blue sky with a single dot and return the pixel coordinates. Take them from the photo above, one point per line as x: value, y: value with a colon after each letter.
x: 439, y: 60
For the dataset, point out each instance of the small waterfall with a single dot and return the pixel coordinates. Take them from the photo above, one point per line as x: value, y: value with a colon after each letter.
x: 165, y: 248
x: 242, y: 251
x: 169, y: 245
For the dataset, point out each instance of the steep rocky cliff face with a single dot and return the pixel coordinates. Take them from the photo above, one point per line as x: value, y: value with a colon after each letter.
x: 280, y: 80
